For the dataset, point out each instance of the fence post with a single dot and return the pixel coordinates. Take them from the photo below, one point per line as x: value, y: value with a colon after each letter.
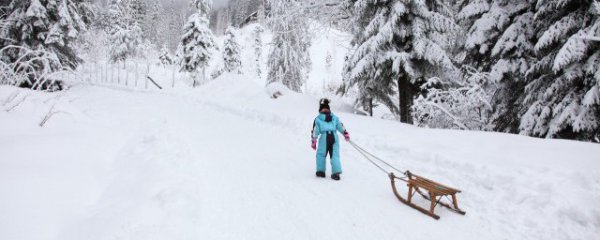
x: 147, y: 74
x: 106, y: 72
x: 115, y: 76
x: 118, y: 74
x: 125, y: 69
x: 112, y: 73
x: 90, y: 72
x: 98, y: 73
x: 136, y: 73
x: 173, y: 77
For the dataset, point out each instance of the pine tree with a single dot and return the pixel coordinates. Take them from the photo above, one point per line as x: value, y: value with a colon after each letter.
x: 289, y: 60
x: 124, y: 42
x: 562, y: 96
x: 499, y: 40
x: 50, y: 28
x: 124, y: 31
x: 165, y: 57
x: 396, y: 45
x: 114, y: 16
x: 197, y: 41
x: 231, y: 52
x: 136, y: 10
x: 242, y: 12
x: 152, y: 20
x: 52, y: 25
x: 258, y: 45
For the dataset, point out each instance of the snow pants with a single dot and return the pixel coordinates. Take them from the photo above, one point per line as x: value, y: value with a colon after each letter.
x: 329, y: 145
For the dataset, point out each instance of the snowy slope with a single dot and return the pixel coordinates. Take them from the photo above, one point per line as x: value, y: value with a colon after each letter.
x: 225, y: 161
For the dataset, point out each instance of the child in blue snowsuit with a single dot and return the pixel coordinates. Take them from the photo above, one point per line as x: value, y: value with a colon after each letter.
x: 324, y: 128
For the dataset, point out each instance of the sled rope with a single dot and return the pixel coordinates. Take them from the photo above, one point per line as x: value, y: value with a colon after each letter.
x: 369, y: 156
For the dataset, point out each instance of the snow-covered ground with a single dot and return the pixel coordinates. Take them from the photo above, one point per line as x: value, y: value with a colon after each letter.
x: 224, y: 161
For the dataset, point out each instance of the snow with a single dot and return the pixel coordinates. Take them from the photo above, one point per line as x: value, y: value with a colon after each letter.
x: 225, y: 161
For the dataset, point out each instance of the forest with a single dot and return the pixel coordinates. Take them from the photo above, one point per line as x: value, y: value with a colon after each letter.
x: 524, y: 67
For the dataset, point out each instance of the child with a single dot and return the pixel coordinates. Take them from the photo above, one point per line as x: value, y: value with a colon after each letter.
x: 325, y: 126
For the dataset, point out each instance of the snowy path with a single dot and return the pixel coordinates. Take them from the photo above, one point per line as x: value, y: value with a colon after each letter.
x: 226, y: 162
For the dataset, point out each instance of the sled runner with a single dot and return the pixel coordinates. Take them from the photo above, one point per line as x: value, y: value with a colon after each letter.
x: 435, y: 193
x: 415, y: 183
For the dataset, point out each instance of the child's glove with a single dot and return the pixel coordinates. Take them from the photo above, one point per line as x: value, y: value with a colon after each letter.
x: 347, y: 136
x: 313, y: 144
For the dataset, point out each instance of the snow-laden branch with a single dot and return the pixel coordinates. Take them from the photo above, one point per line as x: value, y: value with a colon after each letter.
x: 455, y: 120
x: 463, y: 103
x: 589, y: 38
x: 37, y: 67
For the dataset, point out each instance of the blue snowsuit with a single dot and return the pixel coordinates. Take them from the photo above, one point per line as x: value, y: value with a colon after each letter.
x: 324, y: 128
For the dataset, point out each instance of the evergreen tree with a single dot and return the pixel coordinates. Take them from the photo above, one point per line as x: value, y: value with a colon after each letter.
x: 289, y: 60
x: 50, y: 25
x: 40, y: 37
x: 231, y: 52
x: 258, y: 45
x: 500, y: 41
x: 197, y: 41
x: 113, y: 17
x: 124, y: 31
x: 136, y: 10
x: 396, y: 45
x: 562, y: 96
x: 124, y: 42
x: 165, y: 57
x: 152, y: 21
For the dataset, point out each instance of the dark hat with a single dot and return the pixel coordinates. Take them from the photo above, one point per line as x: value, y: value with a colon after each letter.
x: 324, y: 104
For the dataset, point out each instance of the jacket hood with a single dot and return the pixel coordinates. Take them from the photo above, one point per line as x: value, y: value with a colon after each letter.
x: 327, y: 117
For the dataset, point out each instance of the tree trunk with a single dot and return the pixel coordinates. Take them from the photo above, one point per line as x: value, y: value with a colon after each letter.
x: 404, y: 98
x: 195, y: 78
x: 371, y: 107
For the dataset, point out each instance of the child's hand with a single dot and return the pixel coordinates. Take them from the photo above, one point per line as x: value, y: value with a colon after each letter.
x: 313, y: 144
x: 347, y: 136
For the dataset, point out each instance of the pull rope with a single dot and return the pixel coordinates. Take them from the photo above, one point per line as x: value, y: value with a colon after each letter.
x: 369, y: 156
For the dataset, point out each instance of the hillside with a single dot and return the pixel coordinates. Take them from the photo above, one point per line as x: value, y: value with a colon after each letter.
x: 224, y: 161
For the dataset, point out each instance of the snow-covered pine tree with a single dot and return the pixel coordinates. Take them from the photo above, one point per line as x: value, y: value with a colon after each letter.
x: 165, y: 57
x: 231, y: 52
x: 170, y: 25
x: 499, y: 40
x: 152, y: 20
x: 562, y: 96
x: 289, y: 60
x: 113, y: 17
x: 136, y: 10
x: 242, y: 11
x: 124, y: 32
x: 258, y: 45
x: 124, y: 42
x: 396, y: 43
x: 51, y: 25
x: 41, y: 35
x: 197, y: 41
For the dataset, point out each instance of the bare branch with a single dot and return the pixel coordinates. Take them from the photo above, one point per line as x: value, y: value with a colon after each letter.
x: 17, y: 104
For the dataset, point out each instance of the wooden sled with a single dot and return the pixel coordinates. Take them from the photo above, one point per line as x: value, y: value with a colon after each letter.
x: 435, y: 193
